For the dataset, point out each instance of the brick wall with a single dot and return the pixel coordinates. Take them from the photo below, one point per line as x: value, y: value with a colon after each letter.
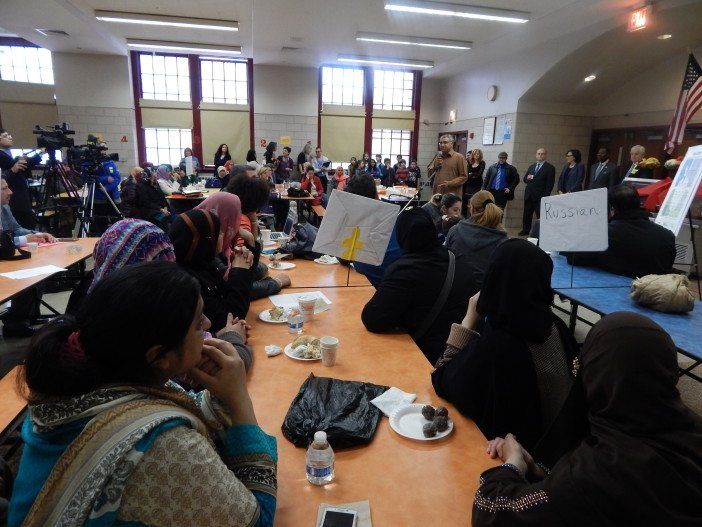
x: 111, y: 123
x: 300, y: 128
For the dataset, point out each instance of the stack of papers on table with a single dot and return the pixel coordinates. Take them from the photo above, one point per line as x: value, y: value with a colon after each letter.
x: 290, y: 301
x: 35, y: 271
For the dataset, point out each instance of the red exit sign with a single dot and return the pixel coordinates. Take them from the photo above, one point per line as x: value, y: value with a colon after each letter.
x: 640, y: 18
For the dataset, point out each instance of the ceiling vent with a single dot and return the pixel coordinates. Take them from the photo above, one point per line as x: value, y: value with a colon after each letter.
x: 52, y: 32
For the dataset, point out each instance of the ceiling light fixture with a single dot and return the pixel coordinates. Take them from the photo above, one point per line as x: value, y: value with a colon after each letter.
x: 590, y: 78
x: 413, y: 41
x: 166, y: 20
x: 157, y: 45
x: 386, y: 61
x: 665, y: 36
x: 463, y: 11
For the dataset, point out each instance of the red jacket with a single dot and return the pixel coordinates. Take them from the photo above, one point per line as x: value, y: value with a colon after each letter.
x: 305, y: 185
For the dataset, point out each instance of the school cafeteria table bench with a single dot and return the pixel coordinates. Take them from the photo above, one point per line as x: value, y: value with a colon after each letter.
x: 310, y: 274
x: 58, y: 254
x: 408, y: 483
x: 685, y: 329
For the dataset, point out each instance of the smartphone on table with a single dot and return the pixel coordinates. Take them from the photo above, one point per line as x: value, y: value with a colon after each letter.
x: 337, y: 517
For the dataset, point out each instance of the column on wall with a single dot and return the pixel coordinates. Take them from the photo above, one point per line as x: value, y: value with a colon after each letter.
x: 342, y: 131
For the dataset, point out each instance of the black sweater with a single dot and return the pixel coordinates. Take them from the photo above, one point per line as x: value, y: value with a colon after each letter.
x: 150, y: 199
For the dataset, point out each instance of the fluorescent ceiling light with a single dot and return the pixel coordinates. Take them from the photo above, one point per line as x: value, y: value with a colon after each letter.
x: 464, y: 11
x: 413, y: 41
x: 157, y: 45
x: 166, y: 20
x: 590, y: 78
x: 386, y: 61
x: 665, y: 36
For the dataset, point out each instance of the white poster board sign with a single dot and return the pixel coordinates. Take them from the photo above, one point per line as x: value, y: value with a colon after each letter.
x: 356, y: 228
x: 682, y: 191
x: 489, y: 130
x: 574, y: 222
x: 189, y: 169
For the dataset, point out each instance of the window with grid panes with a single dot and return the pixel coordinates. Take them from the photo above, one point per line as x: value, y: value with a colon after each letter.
x: 164, y: 77
x: 166, y: 145
x: 390, y: 143
x: 224, y: 81
x: 342, y: 86
x: 26, y: 64
x: 393, y: 90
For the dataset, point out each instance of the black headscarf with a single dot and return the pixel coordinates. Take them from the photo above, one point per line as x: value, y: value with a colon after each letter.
x: 194, y: 235
x: 642, y: 464
x: 516, y: 295
x: 416, y: 232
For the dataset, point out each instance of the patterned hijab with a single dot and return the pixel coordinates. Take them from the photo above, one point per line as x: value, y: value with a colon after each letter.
x: 227, y: 207
x: 128, y: 242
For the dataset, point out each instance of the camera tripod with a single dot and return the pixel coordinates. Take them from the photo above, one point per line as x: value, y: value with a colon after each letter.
x: 87, y: 206
x: 56, y: 179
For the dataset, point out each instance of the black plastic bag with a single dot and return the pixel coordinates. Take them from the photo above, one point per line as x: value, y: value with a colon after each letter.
x: 342, y: 409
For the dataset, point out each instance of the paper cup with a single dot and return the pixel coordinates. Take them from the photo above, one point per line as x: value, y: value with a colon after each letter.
x: 266, y: 235
x: 32, y: 247
x: 329, y: 347
x: 307, y: 304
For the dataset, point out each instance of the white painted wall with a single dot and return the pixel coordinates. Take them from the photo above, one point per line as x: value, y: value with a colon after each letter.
x: 92, y: 80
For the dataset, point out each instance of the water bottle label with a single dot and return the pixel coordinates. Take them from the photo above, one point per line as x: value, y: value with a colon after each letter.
x: 319, y: 472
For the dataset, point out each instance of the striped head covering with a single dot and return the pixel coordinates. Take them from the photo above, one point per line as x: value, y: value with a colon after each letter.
x: 128, y: 242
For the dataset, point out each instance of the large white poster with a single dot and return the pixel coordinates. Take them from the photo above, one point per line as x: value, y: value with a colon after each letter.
x: 574, y: 222
x: 682, y: 191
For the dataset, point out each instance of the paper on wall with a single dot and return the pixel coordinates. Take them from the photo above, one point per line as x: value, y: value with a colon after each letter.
x: 574, y: 222
x: 356, y: 228
x: 682, y: 191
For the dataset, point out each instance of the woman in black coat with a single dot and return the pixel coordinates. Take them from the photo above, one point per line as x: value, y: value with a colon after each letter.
x: 221, y: 157
x: 412, y: 285
x: 510, y: 365
x: 151, y: 202
x: 197, y: 242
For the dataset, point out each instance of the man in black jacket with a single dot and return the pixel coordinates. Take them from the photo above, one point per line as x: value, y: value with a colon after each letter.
x: 636, y: 155
x: 603, y: 174
x: 501, y: 179
x: 16, y: 173
x: 539, y: 179
x: 637, y: 246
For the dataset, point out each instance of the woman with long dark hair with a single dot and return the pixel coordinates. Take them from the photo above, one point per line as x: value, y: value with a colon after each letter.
x: 573, y: 173
x: 222, y: 155
x: 107, y: 432
x: 270, y: 154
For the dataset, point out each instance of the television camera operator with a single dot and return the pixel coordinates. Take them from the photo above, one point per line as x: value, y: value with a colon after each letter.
x: 16, y: 171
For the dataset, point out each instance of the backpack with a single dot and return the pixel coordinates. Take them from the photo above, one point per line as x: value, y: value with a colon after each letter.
x: 301, y: 241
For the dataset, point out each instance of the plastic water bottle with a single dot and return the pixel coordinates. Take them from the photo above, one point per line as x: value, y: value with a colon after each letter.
x: 320, y: 460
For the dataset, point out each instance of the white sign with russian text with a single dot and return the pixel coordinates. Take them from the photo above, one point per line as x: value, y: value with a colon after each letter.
x: 574, y: 222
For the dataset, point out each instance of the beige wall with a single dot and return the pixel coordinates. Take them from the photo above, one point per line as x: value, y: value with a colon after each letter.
x: 21, y: 118
x: 282, y: 90
x: 92, y: 80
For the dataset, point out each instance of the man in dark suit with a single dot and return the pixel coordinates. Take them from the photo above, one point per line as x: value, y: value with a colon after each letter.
x: 539, y: 178
x: 637, y: 154
x: 501, y: 179
x: 603, y: 174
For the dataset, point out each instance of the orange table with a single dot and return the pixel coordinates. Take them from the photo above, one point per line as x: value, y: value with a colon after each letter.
x: 408, y: 483
x: 310, y: 274
x: 57, y: 254
x: 12, y: 407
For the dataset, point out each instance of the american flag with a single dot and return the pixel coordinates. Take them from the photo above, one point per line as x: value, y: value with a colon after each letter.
x: 689, y: 102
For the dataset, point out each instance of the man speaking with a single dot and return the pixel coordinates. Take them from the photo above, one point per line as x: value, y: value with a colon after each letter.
x: 448, y: 169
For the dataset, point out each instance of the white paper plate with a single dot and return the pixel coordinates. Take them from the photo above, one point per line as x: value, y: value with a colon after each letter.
x: 266, y: 317
x: 408, y: 421
x: 282, y: 267
x: 288, y: 351
x: 320, y: 262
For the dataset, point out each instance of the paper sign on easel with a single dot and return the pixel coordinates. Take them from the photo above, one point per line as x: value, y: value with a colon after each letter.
x: 682, y: 191
x: 574, y: 222
x: 356, y: 228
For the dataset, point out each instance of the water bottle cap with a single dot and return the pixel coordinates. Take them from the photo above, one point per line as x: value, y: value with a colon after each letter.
x: 320, y: 437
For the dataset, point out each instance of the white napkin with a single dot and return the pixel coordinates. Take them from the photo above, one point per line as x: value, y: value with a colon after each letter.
x: 392, y: 399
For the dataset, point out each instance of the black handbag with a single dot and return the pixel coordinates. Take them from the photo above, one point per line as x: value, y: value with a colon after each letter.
x: 8, y: 248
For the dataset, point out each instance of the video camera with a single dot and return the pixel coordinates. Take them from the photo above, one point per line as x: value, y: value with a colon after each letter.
x: 54, y: 138
x: 89, y: 157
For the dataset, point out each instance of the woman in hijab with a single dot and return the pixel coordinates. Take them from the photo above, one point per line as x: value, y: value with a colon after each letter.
x: 509, y: 365
x: 197, y: 242
x: 642, y: 461
x: 409, y: 296
x: 126, y: 242
x: 338, y: 181
x: 227, y: 208
x: 165, y: 181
